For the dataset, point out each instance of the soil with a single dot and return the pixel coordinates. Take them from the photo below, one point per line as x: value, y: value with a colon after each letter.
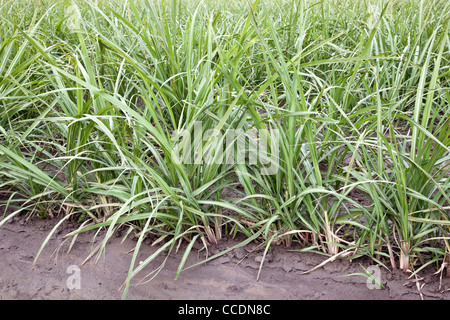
x: 231, y: 276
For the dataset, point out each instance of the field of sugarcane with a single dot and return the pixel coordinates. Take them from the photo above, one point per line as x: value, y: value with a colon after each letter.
x: 98, y: 100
